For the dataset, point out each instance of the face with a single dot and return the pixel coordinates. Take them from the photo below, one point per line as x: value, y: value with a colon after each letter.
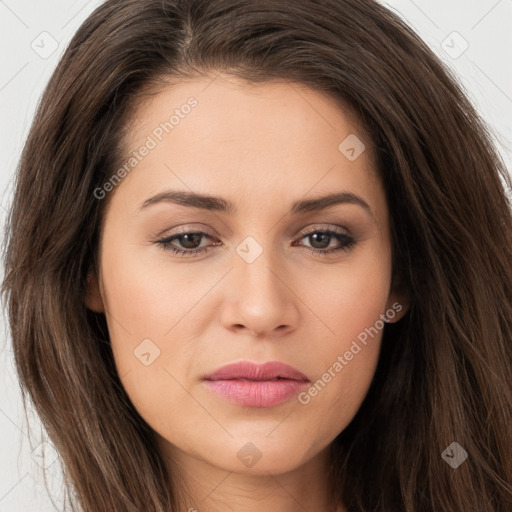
x: 216, y: 249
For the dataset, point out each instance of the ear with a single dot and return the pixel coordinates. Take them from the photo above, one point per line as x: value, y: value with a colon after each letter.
x: 93, y: 298
x: 398, y: 301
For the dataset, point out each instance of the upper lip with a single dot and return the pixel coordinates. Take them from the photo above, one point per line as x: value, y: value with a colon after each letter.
x: 253, y: 371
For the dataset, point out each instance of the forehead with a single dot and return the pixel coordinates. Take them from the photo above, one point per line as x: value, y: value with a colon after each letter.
x: 270, y: 141
x: 228, y: 107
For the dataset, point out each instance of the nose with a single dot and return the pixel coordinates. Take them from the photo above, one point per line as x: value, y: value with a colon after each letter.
x: 260, y: 297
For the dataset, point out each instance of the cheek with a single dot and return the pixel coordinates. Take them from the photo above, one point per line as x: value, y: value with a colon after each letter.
x: 346, y: 365
x: 151, y: 322
x: 156, y: 314
x: 347, y: 341
x: 148, y: 297
x: 351, y: 297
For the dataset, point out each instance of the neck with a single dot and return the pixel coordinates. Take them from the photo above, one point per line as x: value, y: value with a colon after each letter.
x: 204, y: 487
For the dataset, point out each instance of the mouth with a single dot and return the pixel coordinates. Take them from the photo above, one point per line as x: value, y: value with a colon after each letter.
x: 254, y: 385
x: 246, y: 370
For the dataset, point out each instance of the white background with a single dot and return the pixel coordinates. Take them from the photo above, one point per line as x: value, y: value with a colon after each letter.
x: 29, y: 31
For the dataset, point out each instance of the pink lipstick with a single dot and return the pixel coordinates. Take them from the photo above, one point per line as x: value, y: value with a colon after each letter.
x: 256, y: 385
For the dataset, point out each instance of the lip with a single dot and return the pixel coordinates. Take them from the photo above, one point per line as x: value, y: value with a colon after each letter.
x: 256, y: 385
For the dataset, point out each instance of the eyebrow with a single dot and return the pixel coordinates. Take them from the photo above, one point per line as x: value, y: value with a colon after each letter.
x: 218, y: 204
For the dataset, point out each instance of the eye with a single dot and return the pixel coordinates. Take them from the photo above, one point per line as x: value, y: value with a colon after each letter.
x: 189, y: 241
x: 321, y: 240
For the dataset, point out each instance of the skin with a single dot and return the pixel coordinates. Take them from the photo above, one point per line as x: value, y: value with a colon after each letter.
x: 261, y: 147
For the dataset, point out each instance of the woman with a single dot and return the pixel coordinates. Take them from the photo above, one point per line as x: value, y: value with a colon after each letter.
x: 260, y: 258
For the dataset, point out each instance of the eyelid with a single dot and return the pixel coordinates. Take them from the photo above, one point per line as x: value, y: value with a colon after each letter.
x: 184, y: 230
x: 325, y: 227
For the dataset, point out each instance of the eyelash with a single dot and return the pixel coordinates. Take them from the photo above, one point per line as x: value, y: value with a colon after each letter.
x: 347, y: 241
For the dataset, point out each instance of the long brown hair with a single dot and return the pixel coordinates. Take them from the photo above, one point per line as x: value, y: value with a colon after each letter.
x: 445, y: 370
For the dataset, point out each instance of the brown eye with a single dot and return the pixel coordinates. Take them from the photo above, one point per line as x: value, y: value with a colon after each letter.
x: 189, y: 242
x: 320, y: 240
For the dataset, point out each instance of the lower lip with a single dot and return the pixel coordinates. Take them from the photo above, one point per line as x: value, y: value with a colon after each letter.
x: 250, y: 393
